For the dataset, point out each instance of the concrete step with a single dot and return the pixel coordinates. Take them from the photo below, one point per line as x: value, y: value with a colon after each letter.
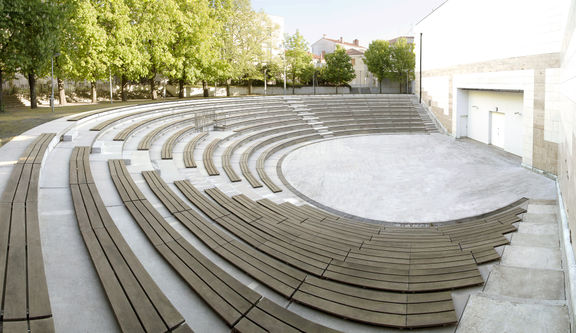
x: 532, y: 257
x: 522, y: 282
x: 486, y: 314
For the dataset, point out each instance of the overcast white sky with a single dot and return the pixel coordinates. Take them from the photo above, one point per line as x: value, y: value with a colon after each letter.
x: 365, y: 20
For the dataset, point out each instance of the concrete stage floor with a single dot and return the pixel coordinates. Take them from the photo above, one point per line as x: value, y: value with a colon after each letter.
x: 411, y: 178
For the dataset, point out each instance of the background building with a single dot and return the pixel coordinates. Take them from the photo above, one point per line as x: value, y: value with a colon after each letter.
x: 504, y: 73
x: 363, y: 79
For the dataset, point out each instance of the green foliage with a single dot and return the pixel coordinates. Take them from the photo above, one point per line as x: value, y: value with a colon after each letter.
x: 184, y: 40
x: 307, y: 74
x: 339, y: 69
x: 34, y: 38
x: 403, y: 61
x: 378, y: 59
x: 395, y: 62
x: 84, y: 45
x: 126, y: 51
x: 298, y: 58
x: 242, y: 35
x: 194, y: 44
x: 29, y: 37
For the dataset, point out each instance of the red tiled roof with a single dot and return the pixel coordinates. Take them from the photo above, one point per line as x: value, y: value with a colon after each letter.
x: 409, y: 39
x: 354, y: 52
x: 343, y: 43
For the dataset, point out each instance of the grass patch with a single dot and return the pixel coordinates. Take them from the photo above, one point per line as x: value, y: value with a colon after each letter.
x: 16, y: 121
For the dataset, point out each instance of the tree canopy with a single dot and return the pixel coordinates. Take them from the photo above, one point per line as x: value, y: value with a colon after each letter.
x: 339, y: 69
x: 395, y: 62
x: 187, y: 41
x: 298, y: 58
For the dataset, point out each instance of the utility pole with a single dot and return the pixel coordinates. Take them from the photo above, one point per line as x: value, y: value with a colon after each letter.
x: 420, y: 80
x: 110, y: 71
x: 265, y: 82
x: 52, y: 80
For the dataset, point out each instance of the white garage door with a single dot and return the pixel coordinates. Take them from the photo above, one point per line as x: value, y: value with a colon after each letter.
x: 496, y: 118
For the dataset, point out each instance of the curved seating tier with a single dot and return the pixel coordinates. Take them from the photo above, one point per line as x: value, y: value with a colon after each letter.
x: 138, y: 304
x: 245, y: 250
x: 25, y: 303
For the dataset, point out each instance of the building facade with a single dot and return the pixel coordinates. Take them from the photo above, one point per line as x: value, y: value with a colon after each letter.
x: 504, y: 73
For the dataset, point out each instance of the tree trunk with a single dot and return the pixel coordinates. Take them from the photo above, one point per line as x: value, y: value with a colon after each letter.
x: 61, y: 92
x: 250, y: 87
x: 380, y: 84
x: 1, y: 94
x: 124, y: 93
x: 94, y: 94
x: 32, y: 84
x: 400, y: 86
x: 228, y: 82
x: 336, y: 89
x: 293, y: 81
x: 205, y: 88
x: 181, y: 88
x: 153, y: 91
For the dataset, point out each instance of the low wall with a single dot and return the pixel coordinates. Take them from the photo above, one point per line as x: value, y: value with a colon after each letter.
x: 241, y: 91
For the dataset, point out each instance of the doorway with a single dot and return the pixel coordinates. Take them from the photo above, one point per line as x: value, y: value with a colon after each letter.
x: 497, y: 129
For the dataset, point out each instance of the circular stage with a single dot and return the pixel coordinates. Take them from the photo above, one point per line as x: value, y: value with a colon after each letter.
x: 410, y: 178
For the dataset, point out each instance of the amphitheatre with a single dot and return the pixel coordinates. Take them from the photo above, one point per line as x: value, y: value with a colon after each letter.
x: 350, y: 213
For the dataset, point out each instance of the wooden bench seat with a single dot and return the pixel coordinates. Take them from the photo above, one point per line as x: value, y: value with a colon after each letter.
x: 23, y: 289
x: 245, y: 157
x: 138, y: 304
x: 189, y: 161
x: 230, y: 149
x: 146, y: 142
x: 261, y: 119
x: 207, y: 157
x: 168, y: 145
x: 398, y: 310
x: 102, y: 125
x: 275, y: 274
x: 239, y: 306
x: 229, y: 298
x: 316, y: 259
x: 186, y: 112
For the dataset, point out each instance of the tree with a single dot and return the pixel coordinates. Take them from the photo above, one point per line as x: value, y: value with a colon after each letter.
x: 9, y: 21
x: 242, y: 34
x: 298, y: 58
x: 158, y: 21
x: 403, y: 62
x: 193, y: 48
x: 378, y: 60
x: 339, y: 69
x: 126, y: 51
x: 84, y: 53
x: 33, y: 38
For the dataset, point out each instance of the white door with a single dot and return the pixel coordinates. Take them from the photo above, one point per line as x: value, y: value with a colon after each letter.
x: 497, y: 129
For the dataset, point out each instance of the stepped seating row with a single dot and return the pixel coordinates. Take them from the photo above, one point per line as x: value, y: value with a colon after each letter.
x: 380, y: 275
x: 239, y: 113
x: 146, y: 142
x: 230, y: 149
x: 138, y: 304
x: 168, y: 146
x: 25, y: 304
x: 172, y: 107
x: 293, y: 243
x: 189, y: 150
x: 239, y: 306
x: 359, y: 304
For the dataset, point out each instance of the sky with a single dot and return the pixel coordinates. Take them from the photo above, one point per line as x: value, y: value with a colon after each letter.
x: 365, y: 20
